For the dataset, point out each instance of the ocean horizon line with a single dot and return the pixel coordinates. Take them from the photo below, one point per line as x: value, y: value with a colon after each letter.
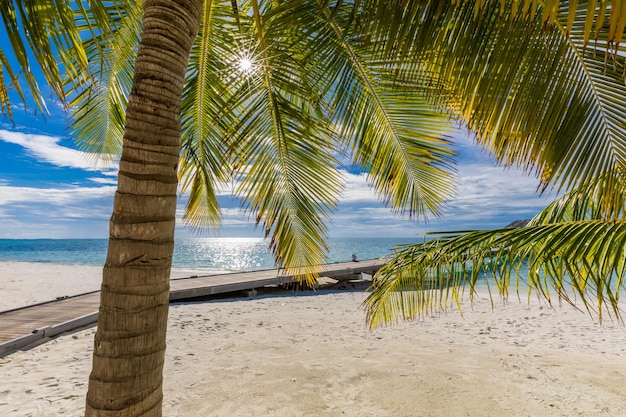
x: 198, y: 254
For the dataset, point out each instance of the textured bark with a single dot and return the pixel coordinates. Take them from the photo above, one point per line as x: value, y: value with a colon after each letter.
x: 129, y: 346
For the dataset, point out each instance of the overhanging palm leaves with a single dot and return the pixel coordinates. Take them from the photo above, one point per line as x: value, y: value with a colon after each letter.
x: 51, y: 33
x: 344, y: 75
x: 278, y: 128
x: 537, y: 97
x: 99, y: 96
x: 576, y: 246
x: 563, y: 117
x: 583, y: 259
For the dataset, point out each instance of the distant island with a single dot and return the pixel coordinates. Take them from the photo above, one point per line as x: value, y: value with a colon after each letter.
x: 517, y: 223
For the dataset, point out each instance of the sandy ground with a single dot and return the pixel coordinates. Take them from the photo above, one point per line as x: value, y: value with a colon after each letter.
x: 311, y: 355
x: 25, y: 283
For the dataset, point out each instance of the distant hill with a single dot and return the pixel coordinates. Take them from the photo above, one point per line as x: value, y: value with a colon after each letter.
x: 517, y: 223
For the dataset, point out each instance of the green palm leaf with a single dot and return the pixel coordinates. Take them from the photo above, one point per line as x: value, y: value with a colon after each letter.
x: 287, y: 176
x: 391, y: 132
x: 589, y: 201
x: 52, y: 33
x: 554, y: 105
x: 100, y: 95
x: 570, y: 246
x: 349, y: 77
x: 583, y: 259
x: 208, y: 119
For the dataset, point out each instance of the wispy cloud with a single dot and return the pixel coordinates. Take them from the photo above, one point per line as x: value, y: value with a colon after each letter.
x: 104, y: 181
x: 61, y: 212
x: 48, y: 149
x: 358, y: 190
x: 487, y: 196
x: 57, y: 196
x: 488, y: 188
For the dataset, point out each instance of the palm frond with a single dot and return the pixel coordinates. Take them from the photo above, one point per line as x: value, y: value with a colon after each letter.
x: 589, y: 201
x: 13, y: 84
x: 553, y: 106
x: 100, y: 95
x: 284, y: 149
x: 27, y: 27
x: 49, y: 32
x: 318, y: 87
x: 208, y: 120
x: 601, y: 19
x: 393, y: 134
x: 584, y: 259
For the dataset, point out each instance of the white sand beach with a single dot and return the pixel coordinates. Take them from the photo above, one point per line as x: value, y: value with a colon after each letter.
x: 26, y: 283
x: 311, y: 354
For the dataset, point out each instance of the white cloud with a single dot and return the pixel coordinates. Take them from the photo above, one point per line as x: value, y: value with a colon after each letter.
x: 104, y: 181
x: 487, y: 196
x: 56, y: 196
x: 480, y: 188
x: 54, y: 228
x: 357, y: 190
x: 48, y: 149
x: 490, y: 187
x: 63, y: 212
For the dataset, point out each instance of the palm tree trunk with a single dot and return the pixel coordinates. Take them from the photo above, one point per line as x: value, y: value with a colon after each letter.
x: 129, y: 347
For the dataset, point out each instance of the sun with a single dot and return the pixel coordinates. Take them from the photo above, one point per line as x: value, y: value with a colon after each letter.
x: 244, y: 60
x: 245, y: 64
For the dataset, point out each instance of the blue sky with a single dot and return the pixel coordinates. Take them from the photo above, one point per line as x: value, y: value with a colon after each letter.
x: 49, y: 189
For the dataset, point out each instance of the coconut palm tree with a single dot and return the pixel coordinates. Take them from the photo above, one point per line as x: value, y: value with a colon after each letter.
x: 275, y: 96
x: 270, y: 130
x: 267, y: 126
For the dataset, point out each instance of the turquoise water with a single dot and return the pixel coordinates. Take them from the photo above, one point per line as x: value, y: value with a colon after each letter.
x: 203, y: 255
x: 211, y: 254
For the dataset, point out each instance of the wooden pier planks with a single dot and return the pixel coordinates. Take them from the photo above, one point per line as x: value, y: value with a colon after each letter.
x: 35, y: 324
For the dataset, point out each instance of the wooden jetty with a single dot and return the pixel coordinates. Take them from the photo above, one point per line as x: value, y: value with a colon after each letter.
x: 28, y: 326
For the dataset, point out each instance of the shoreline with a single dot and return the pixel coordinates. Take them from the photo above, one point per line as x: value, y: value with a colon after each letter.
x: 311, y: 354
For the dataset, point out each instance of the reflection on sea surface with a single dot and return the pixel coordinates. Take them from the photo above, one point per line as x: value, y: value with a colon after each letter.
x: 227, y: 254
x: 208, y: 254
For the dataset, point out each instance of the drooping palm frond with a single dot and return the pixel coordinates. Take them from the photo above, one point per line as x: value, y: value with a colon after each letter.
x: 99, y: 96
x: 585, y: 259
x: 600, y: 17
x: 314, y: 90
x: 603, y: 23
x: 208, y: 119
x: 589, y: 201
x: 49, y: 32
x: 324, y: 76
x: 569, y: 246
x: 285, y: 151
x: 309, y: 92
x: 393, y: 134
x: 556, y: 106
x: 538, y: 97
x: 100, y: 99
x: 576, y: 246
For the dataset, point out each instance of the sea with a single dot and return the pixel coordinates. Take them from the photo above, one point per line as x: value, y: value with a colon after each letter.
x: 200, y: 254
x: 211, y: 255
